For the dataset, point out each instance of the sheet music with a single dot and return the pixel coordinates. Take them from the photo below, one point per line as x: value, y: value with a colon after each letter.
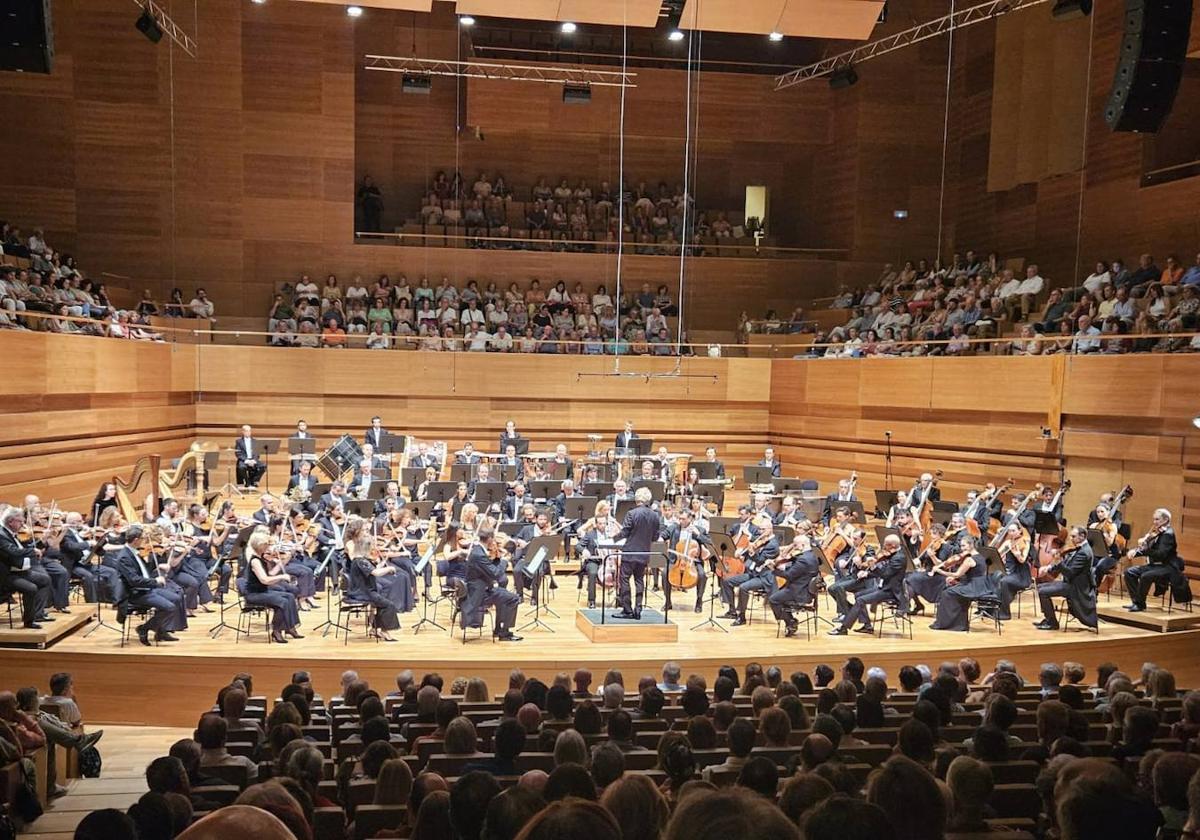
x: 424, y: 561
x: 536, y: 563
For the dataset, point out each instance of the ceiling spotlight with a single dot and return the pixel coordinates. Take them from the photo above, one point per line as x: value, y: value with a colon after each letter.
x: 354, y: 11
x: 467, y: 20
x: 148, y: 26
x: 776, y: 36
x: 258, y: 2
x: 1196, y: 421
x: 567, y: 28
x: 675, y: 35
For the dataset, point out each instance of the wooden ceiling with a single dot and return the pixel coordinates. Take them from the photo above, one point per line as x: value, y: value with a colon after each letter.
x: 839, y: 19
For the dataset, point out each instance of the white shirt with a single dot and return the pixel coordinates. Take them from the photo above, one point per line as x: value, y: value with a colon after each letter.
x: 1031, y: 285
x: 1095, y: 282
x: 1083, y: 343
x: 502, y: 342
x: 478, y: 341
x: 1009, y: 289
x: 473, y: 316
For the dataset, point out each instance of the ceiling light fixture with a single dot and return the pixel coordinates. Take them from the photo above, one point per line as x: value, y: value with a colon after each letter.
x: 776, y: 36
x: 1196, y: 421
x: 467, y: 20
x: 354, y: 11
x: 567, y: 27
x: 675, y: 35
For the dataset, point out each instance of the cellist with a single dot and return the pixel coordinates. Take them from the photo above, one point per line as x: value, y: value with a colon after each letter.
x: 691, y: 546
x: 601, y: 528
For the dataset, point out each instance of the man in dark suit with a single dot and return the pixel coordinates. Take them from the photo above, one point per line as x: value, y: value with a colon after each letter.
x: 73, y: 553
x: 466, y: 455
x: 509, y: 436
x: 514, y: 462
x: 684, y: 530
x: 147, y: 587
x: 834, y: 500
x: 249, y: 468
x: 374, y: 435
x: 264, y: 513
x: 1162, y: 561
x: 885, y: 582
x: 1076, y: 583
x: 799, y: 574
x: 424, y: 458
x: 625, y: 439
x: 510, y: 508
x: 711, y: 455
x: 336, y: 496
x: 18, y: 572
x: 304, y: 481
x: 759, y: 574
x: 301, y: 433
x: 640, y: 528
x: 391, y: 491
x: 484, y: 576
x: 769, y: 460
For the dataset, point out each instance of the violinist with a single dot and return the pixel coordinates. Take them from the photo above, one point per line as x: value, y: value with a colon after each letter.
x: 106, y: 497
x: 1163, y: 565
x: 568, y: 528
x: 910, y: 531
x: 966, y: 581
x: 147, y: 587
x: 288, y: 557
x: 901, y: 506
x: 331, y: 540
x: 110, y: 538
x: 37, y: 519
x: 335, y: 497
x: 1101, y: 520
x: 601, y: 528
x: 424, y: 487
x: 884, y: 580
x: 453, y: 549
x: 690, y: 545
x: 700, y: 515
x: 195, y: 563
x: 264, y: 588
x: 1015, y: 552
x: 168, y: 520
x: 846, y: 566
x: 399, y: 542
x: 522, y: 576
x: 845, y: 493
x: 75, y: 552
x: 222, y: 540
x: 923, y: 582
x: 804, y: 566
x: 17, y: 572
x: 1077, y: 586
x: 485, y: 574
x: 759, y: 574
x: 374, y: 581
x: 460, y: 500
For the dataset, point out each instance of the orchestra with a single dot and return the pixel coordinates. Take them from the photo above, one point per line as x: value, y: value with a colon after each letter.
x: 349, y: 538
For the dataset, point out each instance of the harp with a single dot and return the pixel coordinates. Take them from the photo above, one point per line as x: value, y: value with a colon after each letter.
x: 185, y: 480
x: 140, y: 490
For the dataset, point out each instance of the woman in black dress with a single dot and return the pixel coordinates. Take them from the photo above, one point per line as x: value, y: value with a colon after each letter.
x: 372, y: 582
x: 967, y: 582
x: 1014, y: 551
x: 264, y: 589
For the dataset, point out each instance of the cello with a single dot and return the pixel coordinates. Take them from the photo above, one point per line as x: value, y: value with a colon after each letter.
x: 682, y: 574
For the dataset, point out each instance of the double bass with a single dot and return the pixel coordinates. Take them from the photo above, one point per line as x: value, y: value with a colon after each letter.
x: 984, y: 500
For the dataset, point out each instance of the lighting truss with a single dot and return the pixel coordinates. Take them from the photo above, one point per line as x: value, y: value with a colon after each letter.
x: 184, y: 41
x: 549, y: 74
x: 922, y: 32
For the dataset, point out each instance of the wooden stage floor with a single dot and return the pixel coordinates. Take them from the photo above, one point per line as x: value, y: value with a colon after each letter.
x: 171, y: 684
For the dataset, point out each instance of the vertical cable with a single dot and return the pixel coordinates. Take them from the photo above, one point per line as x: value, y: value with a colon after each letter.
x: 945, y: 135
x: 1087, y: 94
x: 687, y: 153
x: 620, y: 193
x: 171, y: 86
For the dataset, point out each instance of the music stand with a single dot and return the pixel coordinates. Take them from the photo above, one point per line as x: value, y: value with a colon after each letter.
x: 658, y: 558
x: 884, y: 501
x: 265, y: 449
x: 623, y: 508
x: 579, y: 508
x: 391, y: 445
x: 237, y: 551
x: 558, y: 470
x: 599, y: 489
x: 488, y: 493
x: 463, y: 472
x: 941, y: 517
x: 658, y: 489
x: 604, y: 551
x: 506, y: 472
x: 1095, y: 538
x: 302, y: 449
x: 422, y: 509
x: 212, y: 460
x: 705, y: 470
x: 857, y: 513
x: 882, y: 531
x: 755, y: 474
x: 814, y: 509
x: 410, y: 477
x: 443, y: 491
x: 418, y: 571
x: 512, y: 528
x: 990, y: 556
x: 949, y: 507
x: 641, y: 446
x: 542, y: 550
x: 1045, y: 524
x: 722, y: 547
x: 543, y: 489
x: 361, y: 507
x: 789, y: 485
x: 521, y: 444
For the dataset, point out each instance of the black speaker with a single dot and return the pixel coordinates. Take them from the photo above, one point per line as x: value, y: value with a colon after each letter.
x: 843, y: 78
x: 1150, y: 64
x: 148, y: 26
x: 27, y: 42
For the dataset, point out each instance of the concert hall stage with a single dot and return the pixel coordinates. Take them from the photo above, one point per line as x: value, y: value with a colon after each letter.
x: 172, y: 684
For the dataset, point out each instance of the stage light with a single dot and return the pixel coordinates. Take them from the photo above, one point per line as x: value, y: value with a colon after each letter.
x: 675, y: 35
x: 567, y: 27
x: 148, y: 26
x: 258, y: 2
x: 354, y: 11
x: 467, y: 20
x: 776, y: 36
x: 1196, y: 421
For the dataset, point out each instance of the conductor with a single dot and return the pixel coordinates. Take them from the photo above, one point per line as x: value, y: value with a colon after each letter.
x: 640, y: 528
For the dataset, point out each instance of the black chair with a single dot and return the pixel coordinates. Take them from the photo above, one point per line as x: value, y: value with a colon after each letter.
x: 6, y: 598
x: 245, y: 618
x: 987, y: 608
x: 126, y: 611
x: 458, y: 598
x: 890, y: 610
x: 348, y: 608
